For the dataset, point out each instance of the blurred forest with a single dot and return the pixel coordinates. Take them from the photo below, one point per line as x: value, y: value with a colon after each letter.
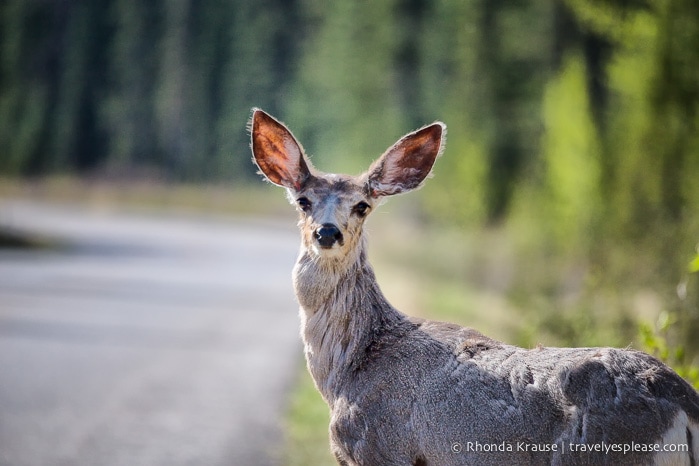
x: 572, y: 123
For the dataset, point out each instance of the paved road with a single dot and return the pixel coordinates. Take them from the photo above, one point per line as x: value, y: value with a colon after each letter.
x: 145, y: 340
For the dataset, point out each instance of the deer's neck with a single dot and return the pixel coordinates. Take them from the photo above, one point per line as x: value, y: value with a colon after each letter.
x: 343, y: 315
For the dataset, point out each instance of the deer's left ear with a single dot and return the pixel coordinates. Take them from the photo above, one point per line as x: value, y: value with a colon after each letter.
x: 406, y: 164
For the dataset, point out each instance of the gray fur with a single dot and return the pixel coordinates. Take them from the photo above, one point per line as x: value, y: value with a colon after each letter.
x: 404, y: 391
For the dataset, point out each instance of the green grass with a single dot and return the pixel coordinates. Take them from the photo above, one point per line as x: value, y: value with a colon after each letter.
x: 307, y: 423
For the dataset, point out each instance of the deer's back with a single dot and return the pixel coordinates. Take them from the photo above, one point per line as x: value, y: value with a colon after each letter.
x: 449, y: 395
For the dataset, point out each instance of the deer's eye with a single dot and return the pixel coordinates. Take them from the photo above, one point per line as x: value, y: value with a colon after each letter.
x: 304, y: 203
x: 361, y: 209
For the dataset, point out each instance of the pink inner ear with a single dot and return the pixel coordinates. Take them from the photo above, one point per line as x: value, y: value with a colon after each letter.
x: 407, y: 163
x: 276, y: 152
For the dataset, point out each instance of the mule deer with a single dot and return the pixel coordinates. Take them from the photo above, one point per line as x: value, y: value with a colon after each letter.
x: 406, y: 391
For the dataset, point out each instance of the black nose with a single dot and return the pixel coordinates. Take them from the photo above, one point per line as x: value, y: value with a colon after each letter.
x: 327, y: 235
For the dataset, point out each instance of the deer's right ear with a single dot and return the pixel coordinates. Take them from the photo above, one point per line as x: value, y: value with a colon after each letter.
x: 277, y: 153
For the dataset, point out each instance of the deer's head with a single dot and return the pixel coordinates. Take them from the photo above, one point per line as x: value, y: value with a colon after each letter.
x: 332, y: 208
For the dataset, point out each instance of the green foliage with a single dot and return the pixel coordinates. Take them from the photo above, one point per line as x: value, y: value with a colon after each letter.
x: 122, y: 88
x: 467, y: 169
x: 655, y: 340
x: 668, y: 338
x: 693, y: 266
x: 308, y: 418
x: 345, y: 103
x: 571, y: 152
